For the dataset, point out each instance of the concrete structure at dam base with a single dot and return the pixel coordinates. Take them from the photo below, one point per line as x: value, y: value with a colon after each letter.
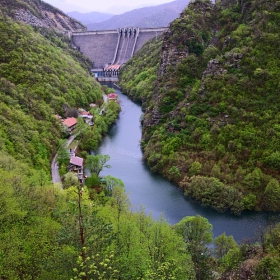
x: 110, y: 49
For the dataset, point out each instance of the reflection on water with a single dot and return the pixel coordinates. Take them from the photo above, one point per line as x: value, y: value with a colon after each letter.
x: 155, y: 193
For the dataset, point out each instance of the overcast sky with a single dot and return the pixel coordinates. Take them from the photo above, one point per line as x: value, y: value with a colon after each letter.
x: 112, y: 6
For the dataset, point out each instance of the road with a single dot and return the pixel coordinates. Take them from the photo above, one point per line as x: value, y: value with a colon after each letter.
x: 105, y: 98
x: 54, y: 165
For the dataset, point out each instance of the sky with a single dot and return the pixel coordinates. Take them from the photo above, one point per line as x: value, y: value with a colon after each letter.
x: 111, y: 6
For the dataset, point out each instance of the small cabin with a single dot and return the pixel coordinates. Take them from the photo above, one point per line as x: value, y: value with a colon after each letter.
x: 112, y: 97
x: 77, y: 166
x: 71, y: 123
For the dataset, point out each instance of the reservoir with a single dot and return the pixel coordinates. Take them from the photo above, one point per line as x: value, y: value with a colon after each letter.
x: 156, y: 194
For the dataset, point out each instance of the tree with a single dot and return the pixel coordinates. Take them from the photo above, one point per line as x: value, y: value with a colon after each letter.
x: 92, y: 181
x: 72, y: 113
x: 195, y: 168
x: 70, y: 180
x: 271, y: 198
x: 81, y: 126
x: 223, y: 244
x: 65, y: 131
x: 197, y: 233
x: 95, y: 164
x: 112, y: 182
x: 254, y: 180
x: 63, y: 157
x: 174, y: 172
x: 268, y: 268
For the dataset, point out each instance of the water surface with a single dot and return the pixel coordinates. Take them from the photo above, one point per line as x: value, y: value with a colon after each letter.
x: 155, y: 193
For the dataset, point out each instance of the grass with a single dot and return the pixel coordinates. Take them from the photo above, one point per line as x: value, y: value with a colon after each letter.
x: 73, y: 144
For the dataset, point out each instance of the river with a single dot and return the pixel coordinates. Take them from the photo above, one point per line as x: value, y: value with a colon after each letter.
x: 155, y: 193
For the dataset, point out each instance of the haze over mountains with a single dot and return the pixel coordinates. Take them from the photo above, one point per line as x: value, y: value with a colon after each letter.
x: 154, y: 16
x: 92, y: 17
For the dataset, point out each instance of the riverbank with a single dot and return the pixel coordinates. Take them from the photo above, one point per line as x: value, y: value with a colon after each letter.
x: 156, y: 194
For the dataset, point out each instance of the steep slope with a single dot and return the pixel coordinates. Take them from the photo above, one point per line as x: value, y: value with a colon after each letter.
x: 212, y: 124
x: 40, y: 14
x: 139, y: 74
x: 155, y: 16
x: 40, y: 76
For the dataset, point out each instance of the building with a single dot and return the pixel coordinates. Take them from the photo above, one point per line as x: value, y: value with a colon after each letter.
x: 112, y: 96
x: 88, y: 117
x: 77, y: 166
x: 71, y: 123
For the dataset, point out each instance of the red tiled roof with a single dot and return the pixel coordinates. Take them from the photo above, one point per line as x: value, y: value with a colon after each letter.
x: 85, y: 113
x: 70, y: 122
x: 77, y: 161
x: 113, y: 95
x: 112, y: 67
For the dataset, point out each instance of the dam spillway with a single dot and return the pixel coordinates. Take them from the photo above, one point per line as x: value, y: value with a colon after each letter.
x: 110, y: 49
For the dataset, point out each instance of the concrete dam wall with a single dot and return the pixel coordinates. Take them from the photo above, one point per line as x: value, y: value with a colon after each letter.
x: 113, y: 47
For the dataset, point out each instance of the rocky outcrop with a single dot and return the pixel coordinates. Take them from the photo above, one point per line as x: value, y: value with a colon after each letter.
x: 214, y: 68
x: 27, y: 17
x: 171, y: 54
x: 217, y: 67
x: 48, y: 17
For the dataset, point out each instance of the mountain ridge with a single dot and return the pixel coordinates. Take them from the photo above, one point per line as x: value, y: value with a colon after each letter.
x: 153, y: 16
x: 92, y: 17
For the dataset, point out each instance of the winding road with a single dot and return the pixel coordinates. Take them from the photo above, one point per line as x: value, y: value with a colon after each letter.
x: 54, y: 165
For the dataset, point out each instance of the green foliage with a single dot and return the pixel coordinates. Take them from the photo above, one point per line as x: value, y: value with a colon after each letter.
x: 273, y: 160
x: 95, y: 164
x: 254, y: 180
x: 91, y: 137
x: 175, y: 172
x: 217, y: 91
x: 268, y: 268
x: 138, y: 76
x: 111, y: 182
x: 195, y: 168
x: 40, y: 75
x: 92, y: 180
x: 271, y: 198
x: 223, y: 244
x: 211, y: 191
x: 70, y: 180
x: 197, y: 233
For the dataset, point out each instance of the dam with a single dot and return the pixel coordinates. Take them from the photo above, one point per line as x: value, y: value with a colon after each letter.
x: 110, y: 49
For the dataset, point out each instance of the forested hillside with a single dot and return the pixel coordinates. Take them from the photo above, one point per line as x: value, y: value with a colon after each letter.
x: 40, y: 74
x: 212, y: 121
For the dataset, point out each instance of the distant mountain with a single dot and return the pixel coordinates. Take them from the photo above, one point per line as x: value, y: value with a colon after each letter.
x: 155, y: 16
x: 119, y: 9
x: 88, y: 18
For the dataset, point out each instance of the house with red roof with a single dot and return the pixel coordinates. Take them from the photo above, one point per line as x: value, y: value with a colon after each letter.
x: 71, y: 123
x: 86, y: 115
x: 112, y: 96
x: 76, y: 166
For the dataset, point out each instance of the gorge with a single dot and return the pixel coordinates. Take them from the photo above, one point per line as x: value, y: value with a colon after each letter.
x: 156, y: 194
